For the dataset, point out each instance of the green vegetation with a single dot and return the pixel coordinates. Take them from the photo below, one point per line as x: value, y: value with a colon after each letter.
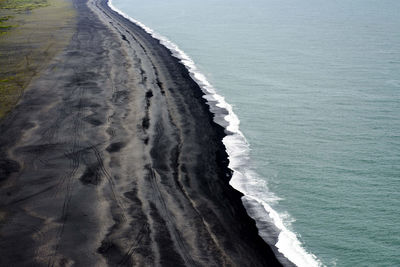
x: 32, y: 32
x: 16, y: 6
x: 5, y: 18
x: 4, y: 27
x: 22, y: 5
x: 11, y: 86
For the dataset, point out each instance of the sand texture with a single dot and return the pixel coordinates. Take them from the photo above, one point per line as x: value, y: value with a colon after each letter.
x: 112, y: 158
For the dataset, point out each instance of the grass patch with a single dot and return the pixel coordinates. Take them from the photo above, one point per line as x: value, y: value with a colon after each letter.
x: 5, y: 18
x: 12, y: 7
x: 22, y: 5
x: 4, y: 26
x: 32, y: 32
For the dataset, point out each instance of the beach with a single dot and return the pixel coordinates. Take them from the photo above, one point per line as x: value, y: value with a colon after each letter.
x: 112, y: 158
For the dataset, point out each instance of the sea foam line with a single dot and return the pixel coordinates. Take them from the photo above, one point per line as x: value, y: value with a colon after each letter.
x: 243, y: 179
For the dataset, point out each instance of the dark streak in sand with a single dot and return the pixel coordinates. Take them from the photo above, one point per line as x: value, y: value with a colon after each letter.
x: 112, y: 158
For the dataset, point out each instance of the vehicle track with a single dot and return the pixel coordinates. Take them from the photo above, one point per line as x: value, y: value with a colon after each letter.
x: 114, y: 160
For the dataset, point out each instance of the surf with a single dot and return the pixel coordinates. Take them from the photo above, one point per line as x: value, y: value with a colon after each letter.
x: 257, y: 199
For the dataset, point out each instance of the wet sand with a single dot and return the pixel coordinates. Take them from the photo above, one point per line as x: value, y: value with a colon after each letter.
x: 112, y: 158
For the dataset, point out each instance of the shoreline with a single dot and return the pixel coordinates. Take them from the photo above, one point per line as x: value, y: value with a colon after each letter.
x: 270, y: 227
x: 121, y: 162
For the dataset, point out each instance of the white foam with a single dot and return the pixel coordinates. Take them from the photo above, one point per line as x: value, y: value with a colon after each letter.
x: 243, y: 178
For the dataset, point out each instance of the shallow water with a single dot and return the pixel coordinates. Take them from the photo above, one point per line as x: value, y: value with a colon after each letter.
x: 316, y: 87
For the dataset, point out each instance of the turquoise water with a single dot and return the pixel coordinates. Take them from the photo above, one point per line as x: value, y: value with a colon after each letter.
x: 316, y: 86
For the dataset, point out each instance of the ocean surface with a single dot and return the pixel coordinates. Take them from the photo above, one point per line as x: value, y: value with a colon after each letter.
x: 316, y: 87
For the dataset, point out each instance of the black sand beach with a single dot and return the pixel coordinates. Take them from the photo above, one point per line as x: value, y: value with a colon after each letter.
x: 112, y: 158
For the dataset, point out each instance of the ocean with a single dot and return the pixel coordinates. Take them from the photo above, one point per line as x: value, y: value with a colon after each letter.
x: 315, y: 86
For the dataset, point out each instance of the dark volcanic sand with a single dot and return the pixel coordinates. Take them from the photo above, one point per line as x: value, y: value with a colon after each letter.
x: 112, y: 158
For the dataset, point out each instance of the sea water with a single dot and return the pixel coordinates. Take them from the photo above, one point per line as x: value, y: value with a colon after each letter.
x: 316, y: 86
